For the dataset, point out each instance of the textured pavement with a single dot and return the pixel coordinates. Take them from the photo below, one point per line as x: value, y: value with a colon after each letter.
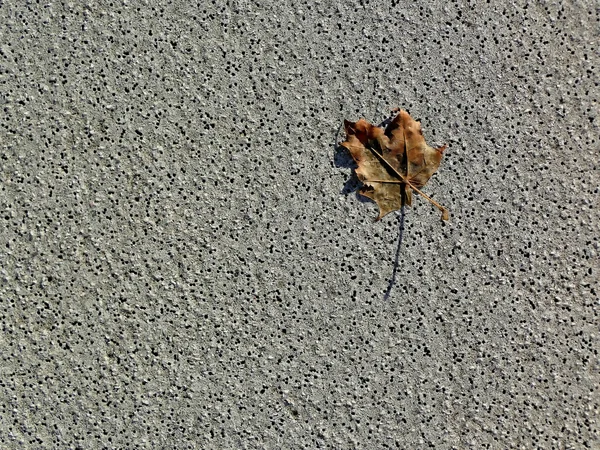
x: 184, y: 262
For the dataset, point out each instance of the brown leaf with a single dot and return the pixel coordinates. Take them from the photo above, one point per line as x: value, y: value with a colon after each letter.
x: 392, y: 162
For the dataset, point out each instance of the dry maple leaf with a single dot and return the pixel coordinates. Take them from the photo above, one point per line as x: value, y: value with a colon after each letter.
x: 392, y: 162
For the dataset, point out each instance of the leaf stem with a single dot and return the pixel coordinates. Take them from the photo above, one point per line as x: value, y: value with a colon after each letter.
x: 445, y: 214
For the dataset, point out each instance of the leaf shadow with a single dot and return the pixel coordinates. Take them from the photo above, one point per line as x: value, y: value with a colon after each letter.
x: 343, y: 159
x: 392, y: 281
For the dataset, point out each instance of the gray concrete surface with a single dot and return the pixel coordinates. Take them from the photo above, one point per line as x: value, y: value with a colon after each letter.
x: 184, y: 265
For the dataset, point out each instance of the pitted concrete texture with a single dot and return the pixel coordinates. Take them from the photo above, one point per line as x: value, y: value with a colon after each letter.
x: 185, y: 263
